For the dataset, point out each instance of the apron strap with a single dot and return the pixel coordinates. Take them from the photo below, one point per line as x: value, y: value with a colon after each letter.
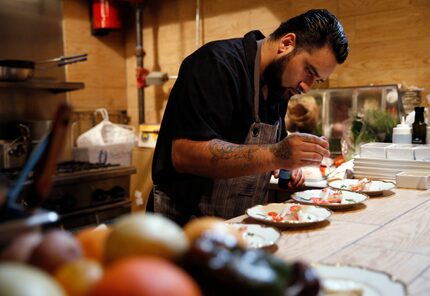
x: 257, y: 81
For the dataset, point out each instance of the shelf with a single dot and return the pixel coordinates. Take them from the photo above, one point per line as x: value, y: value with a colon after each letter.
x: 53, y: 86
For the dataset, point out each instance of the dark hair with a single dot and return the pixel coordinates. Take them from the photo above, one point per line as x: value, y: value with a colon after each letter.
x: 314, y: 29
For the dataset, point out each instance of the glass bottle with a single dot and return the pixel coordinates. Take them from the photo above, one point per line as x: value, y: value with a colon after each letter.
x: 419, y: 127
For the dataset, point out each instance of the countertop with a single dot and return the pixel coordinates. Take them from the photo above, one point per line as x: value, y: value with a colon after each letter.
x: 388, y: 233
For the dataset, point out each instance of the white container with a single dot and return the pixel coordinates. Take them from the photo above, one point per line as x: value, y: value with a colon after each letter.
x: 113, y: 154
x: 400, y: 151
x: 422, y: 152
x: 374, y: 150
x: 402, y: 133
x: 413, y: 179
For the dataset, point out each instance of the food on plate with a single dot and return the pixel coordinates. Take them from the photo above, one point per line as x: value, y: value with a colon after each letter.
x: 146, y: 276
x: 18, y: 279
x: 363, y: 184
x: 291, y: 212
x: 328, y: 196
x: 57, y: 247
x: 198, y: 226
x: 218, y: 266
x: 145, y: 234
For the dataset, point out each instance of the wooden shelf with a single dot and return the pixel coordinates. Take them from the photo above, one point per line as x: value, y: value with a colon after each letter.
x: 52, y: 86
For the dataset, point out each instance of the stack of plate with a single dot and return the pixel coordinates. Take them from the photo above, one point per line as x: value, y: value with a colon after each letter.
x: 386, y: 169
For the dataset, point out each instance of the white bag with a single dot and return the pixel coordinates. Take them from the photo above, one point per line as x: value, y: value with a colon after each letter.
x: 107, y: 133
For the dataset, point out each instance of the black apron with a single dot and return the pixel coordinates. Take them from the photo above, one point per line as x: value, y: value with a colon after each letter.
x: 229, y: 197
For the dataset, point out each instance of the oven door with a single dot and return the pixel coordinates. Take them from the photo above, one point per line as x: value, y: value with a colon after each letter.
x: 94, y: 216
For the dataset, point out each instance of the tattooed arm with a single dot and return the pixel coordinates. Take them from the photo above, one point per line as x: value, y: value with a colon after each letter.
x: 220, y: 159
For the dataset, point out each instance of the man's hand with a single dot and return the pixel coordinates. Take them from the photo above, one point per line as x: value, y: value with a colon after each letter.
x: 297, y: 178
x: 299, y: 149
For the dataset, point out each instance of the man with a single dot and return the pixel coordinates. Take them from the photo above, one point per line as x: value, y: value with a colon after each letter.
x: 220, y: 138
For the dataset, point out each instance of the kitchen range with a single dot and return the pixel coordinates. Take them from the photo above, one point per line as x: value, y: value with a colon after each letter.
x: 84, y: 193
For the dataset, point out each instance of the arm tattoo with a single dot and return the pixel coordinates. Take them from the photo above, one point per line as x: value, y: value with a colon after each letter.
x: 224, y: 151
x: 281, y: 150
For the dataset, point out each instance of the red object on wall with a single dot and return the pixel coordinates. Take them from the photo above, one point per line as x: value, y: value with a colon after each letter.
x: 106, y: 15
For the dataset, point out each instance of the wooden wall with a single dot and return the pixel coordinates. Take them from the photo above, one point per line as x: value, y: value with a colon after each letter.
x: 389, y: 39
x: 389, y: 44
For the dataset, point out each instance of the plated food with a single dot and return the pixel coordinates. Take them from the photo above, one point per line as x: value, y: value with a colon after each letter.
x: 363, y: 185
x: 288, y: 214
x: 329, y: 198
x: 350, y: 280
x: 258, y: 236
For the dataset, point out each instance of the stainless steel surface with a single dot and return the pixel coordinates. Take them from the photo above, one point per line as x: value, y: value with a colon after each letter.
x: 32, y: 30
x: 15, y: 74
x: 84, y: 193
x: 22, y: 70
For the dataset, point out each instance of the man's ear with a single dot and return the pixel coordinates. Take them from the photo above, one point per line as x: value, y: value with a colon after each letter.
x: 287, y: 43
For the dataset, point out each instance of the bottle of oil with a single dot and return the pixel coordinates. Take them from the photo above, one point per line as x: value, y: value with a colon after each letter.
x: 419, y: 127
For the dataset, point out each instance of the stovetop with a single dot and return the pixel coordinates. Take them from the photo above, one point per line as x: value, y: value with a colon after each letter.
x: 72, y: 171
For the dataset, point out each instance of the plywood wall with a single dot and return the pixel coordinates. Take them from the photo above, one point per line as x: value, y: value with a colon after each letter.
x: 389, y: 41
x: 104, y: 74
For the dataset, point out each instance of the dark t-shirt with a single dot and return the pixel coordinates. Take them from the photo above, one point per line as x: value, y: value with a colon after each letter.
x: 212, y: 98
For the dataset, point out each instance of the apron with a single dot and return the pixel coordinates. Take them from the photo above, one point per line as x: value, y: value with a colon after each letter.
x: 228, y: 197
x: 231, y: 197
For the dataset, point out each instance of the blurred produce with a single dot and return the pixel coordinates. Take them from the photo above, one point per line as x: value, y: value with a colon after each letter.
x: 78, y: 277
x: 219, y: 265
x: 17, y: 279
x: 93, y: 241
x: 195, y: 228
x: 148, y: 255
x: 56, y: 248
x: 145, y: 276
x: 145, y: 234
x: 20, y: 248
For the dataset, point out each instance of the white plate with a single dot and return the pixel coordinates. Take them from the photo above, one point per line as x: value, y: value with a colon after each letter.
x: 376, y: 187
x: 349, y: 198
x: 310, y: 214
x: 258, y: 236
x: 369, y: 282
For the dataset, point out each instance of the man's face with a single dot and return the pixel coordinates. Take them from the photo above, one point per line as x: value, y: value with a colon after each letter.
x: 296, y: 71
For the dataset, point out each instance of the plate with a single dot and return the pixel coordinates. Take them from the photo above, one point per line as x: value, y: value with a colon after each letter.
x: 258, y: 236
x: 376, y: 187
x: 337, y: 279
x: 309, y: 214
x: 349, y: 198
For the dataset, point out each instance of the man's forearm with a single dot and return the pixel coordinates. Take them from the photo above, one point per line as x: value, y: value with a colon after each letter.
x: 220, y: 159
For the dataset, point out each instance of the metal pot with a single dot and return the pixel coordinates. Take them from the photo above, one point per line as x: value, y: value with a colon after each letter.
x: 21, y: 70
x: 13, y: 153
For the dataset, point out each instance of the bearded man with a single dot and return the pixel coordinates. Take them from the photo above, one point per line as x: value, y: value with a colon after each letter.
x: 223, y: 133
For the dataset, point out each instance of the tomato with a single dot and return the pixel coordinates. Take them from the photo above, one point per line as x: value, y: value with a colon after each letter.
x: 295, y: 208
x: 317, y: 200
x: 277, y: 219
x: 272, y: 214
x: 79, y: 277
x: 339, y: 160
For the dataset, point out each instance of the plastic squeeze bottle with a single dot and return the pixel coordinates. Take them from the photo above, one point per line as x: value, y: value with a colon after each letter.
x: 402, y: 133
x: 419, y: 127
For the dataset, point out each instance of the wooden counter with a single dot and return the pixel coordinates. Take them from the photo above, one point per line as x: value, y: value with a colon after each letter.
x: 389, y: 233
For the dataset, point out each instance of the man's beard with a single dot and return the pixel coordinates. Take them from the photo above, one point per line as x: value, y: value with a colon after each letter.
x: 272, y: 76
